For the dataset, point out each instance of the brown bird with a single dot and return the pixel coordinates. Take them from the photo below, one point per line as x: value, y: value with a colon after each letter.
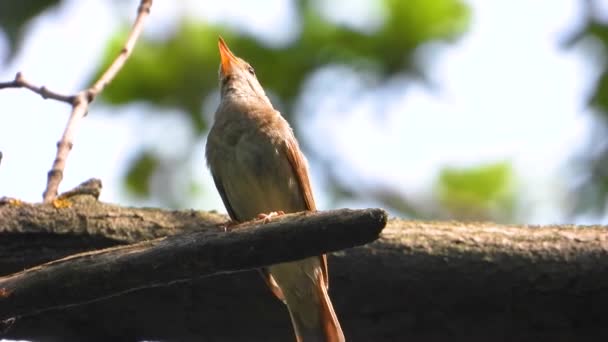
x: 258, y: 168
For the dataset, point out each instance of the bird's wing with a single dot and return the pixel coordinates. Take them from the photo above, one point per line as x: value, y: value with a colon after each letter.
x: 220, y: 188
x: 300, y: 171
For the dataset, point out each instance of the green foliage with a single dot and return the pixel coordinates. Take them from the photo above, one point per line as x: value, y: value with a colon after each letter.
x: 180, y: 71
x: 591, y: 192
x: 478, y: 193
x: 596, y: 32
x: 141, y: 170
x: 176, y: 73
x: 14, y: 16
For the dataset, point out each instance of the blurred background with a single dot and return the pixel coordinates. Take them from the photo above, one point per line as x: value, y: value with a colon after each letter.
x: 432, y: 109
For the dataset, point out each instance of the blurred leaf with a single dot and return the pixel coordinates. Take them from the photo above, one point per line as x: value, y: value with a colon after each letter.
x: 137, y: 178
x: 175, y: 74
x: 482, y: 192
x: 590, y: 189
x: 590, y: 196
x: 15, y: 15
x: 597, y: 32
x: 180, y: 71
x: 599, y: 98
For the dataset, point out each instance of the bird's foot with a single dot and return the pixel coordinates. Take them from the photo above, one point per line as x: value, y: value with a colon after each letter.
x: 226, y: 227
x: 268, y: 217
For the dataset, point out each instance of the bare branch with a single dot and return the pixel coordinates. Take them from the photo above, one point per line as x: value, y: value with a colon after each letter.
x: 64, y: 146
x: 421, y: 281
x: 80, y: 101
x: 21, y: 82
x: 80, y: 213
x: 97, y: 275
x: 142, y: 11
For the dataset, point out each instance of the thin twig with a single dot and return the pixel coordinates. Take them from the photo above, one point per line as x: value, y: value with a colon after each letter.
x: 80, y: 102
x: 21, y: 82
x: 142, y: 12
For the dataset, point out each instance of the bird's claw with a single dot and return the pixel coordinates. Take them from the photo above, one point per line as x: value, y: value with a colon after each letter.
x: 266, y: 218
x: 225, y: 227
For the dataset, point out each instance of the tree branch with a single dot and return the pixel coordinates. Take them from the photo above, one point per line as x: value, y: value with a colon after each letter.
x: 421, y: 281
x: 80, y: 104
x: 92, y: 276
x: 142, y: 11
x: 80, y: 101
x: 21, y: 82
x: 78, y: 212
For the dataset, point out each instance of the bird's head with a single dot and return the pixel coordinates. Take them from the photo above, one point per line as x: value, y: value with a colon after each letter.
x: 237, y: 77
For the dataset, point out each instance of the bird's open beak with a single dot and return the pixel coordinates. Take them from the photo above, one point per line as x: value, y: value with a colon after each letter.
x: 229, y: 60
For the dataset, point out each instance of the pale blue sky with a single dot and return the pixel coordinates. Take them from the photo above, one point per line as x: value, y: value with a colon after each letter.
x: 487, y: 107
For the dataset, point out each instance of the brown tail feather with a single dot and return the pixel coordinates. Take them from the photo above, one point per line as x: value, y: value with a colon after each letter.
x: 305, y: 293
x: 331, y: 326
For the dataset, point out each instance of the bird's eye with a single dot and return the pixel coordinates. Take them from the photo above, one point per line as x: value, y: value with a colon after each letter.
x: 251, y: 71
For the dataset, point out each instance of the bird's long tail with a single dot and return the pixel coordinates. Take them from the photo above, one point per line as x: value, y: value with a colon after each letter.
x: 313, y: 319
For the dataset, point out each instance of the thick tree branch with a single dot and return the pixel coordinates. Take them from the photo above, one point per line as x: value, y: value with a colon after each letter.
x: 80, y: 101
x: 421, y: 281
x: 97, y: 275
x: 78, y: 212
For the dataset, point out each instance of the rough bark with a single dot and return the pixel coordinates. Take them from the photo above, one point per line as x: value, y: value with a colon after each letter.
x: 421, y: 281
x: 98, y: 275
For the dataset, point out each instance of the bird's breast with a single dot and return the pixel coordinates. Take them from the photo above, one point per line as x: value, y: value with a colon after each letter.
x: 248, y: 157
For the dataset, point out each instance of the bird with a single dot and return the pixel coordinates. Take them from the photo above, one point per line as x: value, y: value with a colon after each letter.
x: 260, y: 171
